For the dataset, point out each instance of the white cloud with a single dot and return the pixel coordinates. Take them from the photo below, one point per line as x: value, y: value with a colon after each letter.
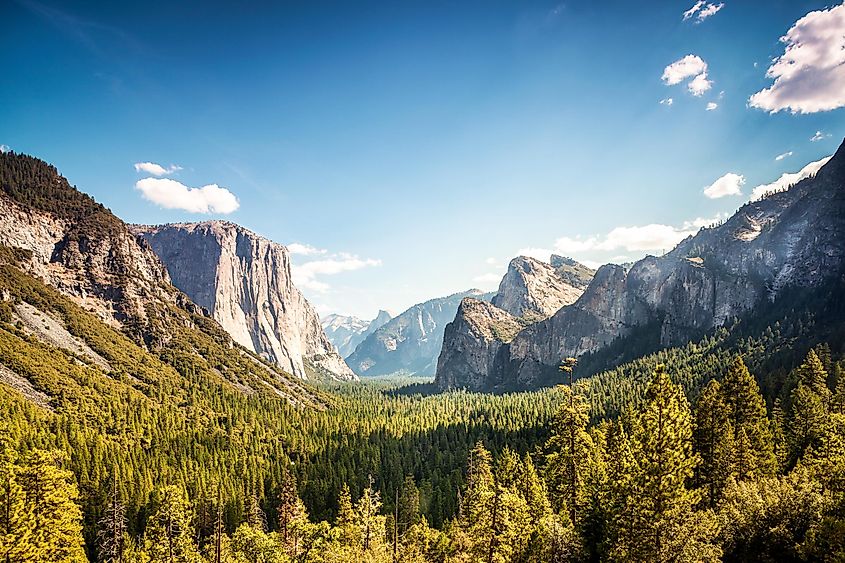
x: 156, y: 169
x: 304, y: 275
x: 680, y: 70
x: 690, y: 66
x: 819, y: 136
x: 304, y: 249
x: 692, y: 11
x: 171, y: 194
x: 810, y: 75
x: 711, y: 106
x: 699, y: 222
x: 647, y: 237
x: 729, y: 184
x: 703, y: 10
x: 787, y: 179
x: 709, y: 10
x: 667, y: 101
x: 699, y: 85
x: 491, y: 261
x: 5, y: 148
x: 784, y: 155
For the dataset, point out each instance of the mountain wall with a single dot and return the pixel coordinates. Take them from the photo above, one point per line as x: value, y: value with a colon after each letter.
x: 794, y: 238
x: 346, y: 332
x: 410, y: 342
x: 244, y: 281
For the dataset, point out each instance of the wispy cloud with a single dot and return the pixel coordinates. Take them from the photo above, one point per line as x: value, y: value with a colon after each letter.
x: 729, y: 184
x: 171, y: 194
x: 819, y: 136
x: 810, y: 75
x: 156, y: 169
x: 783, y: 155
x: 788, y: 179
x: 711, y: 106
x: 305, y: 275
x: 702, y: 10
x: 690, y: 66
x: 304, y: 249
x: 488, y: 280
x: 5, y: 148
x: 667, y: 101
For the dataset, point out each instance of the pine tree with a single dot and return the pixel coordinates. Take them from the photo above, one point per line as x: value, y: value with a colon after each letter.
x: 534, y: 492
x: 111, y: 535
x: 713, y: 441
x: 567, y: 464
x: 370, y: 521
x: 293, y: 517
x: 408, y: 510
x: 747, y: 413
x: 57, y: 519
x: 810, y: 403
x: 658, y: 522
x: 170, y: 533
x: 16, y: 518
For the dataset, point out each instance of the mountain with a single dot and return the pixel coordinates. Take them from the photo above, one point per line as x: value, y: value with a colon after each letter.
x: 787, y: 240
x: 346, y: 332
x: 411, y: 341
x: 534, y: 289
x: 93, y: 307
x: 244, y: 281
x: 530, y: 291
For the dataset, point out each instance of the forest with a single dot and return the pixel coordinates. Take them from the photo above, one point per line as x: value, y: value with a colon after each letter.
x: 719, y: 479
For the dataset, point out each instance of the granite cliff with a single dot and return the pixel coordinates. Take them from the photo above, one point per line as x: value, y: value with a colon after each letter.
x: 244, y: 281
x: 790, y: 239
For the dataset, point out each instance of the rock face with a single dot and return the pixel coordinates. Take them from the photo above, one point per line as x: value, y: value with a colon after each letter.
x: 244, y: 281
x: 471, y: 343
x: 346, y: 332
x: 530, y: 291
x: 410, y: 342
x: 534, y: 290
x: 76, y: 244
x: 789, y: 239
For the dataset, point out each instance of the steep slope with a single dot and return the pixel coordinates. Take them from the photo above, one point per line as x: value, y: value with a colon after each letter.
x: 471, y: 343
x: 530, y: 291
x: 244, y: 281
x: 346, y: 332
x: 533, y: 289
x: 789, y: 239
x: 411, y: 341
x: 71, y: 264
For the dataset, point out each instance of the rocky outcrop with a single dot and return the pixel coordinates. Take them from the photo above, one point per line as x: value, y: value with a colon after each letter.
x: 76, y: 245
x: 530, y: 291
x: 244, y: 281
x: 533, y: 289
x: 789, y: 239
x: 346, y: 332
x: 471, y: 343
x: 410, y: 342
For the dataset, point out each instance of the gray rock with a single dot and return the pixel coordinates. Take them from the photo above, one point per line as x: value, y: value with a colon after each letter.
x: 244, y: 281
x: 410, y: 342
x: 346, y: 332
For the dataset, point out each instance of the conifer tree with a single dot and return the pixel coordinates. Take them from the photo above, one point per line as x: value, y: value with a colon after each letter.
x: 747, y: 413
x: 810, y: 402
x: 408, y: 511
x: 713, y: 441
x: 170, y: 533
x: 293, y: 517
x: 658, y: 522
x: 16, y: 518
x: 567, y: 463
x: 57, y: 518
x: 370, y: 521
x: 111, y: 535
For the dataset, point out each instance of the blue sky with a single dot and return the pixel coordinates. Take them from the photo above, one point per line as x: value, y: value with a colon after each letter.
x: 415, y: 147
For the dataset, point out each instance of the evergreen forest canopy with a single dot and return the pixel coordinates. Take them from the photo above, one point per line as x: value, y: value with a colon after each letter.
x: 730, y: 448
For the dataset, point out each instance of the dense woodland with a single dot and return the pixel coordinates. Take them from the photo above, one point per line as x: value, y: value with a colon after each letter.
x: 665, y: 481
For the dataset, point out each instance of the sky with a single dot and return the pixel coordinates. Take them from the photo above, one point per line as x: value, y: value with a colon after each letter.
x: 408, y: 150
